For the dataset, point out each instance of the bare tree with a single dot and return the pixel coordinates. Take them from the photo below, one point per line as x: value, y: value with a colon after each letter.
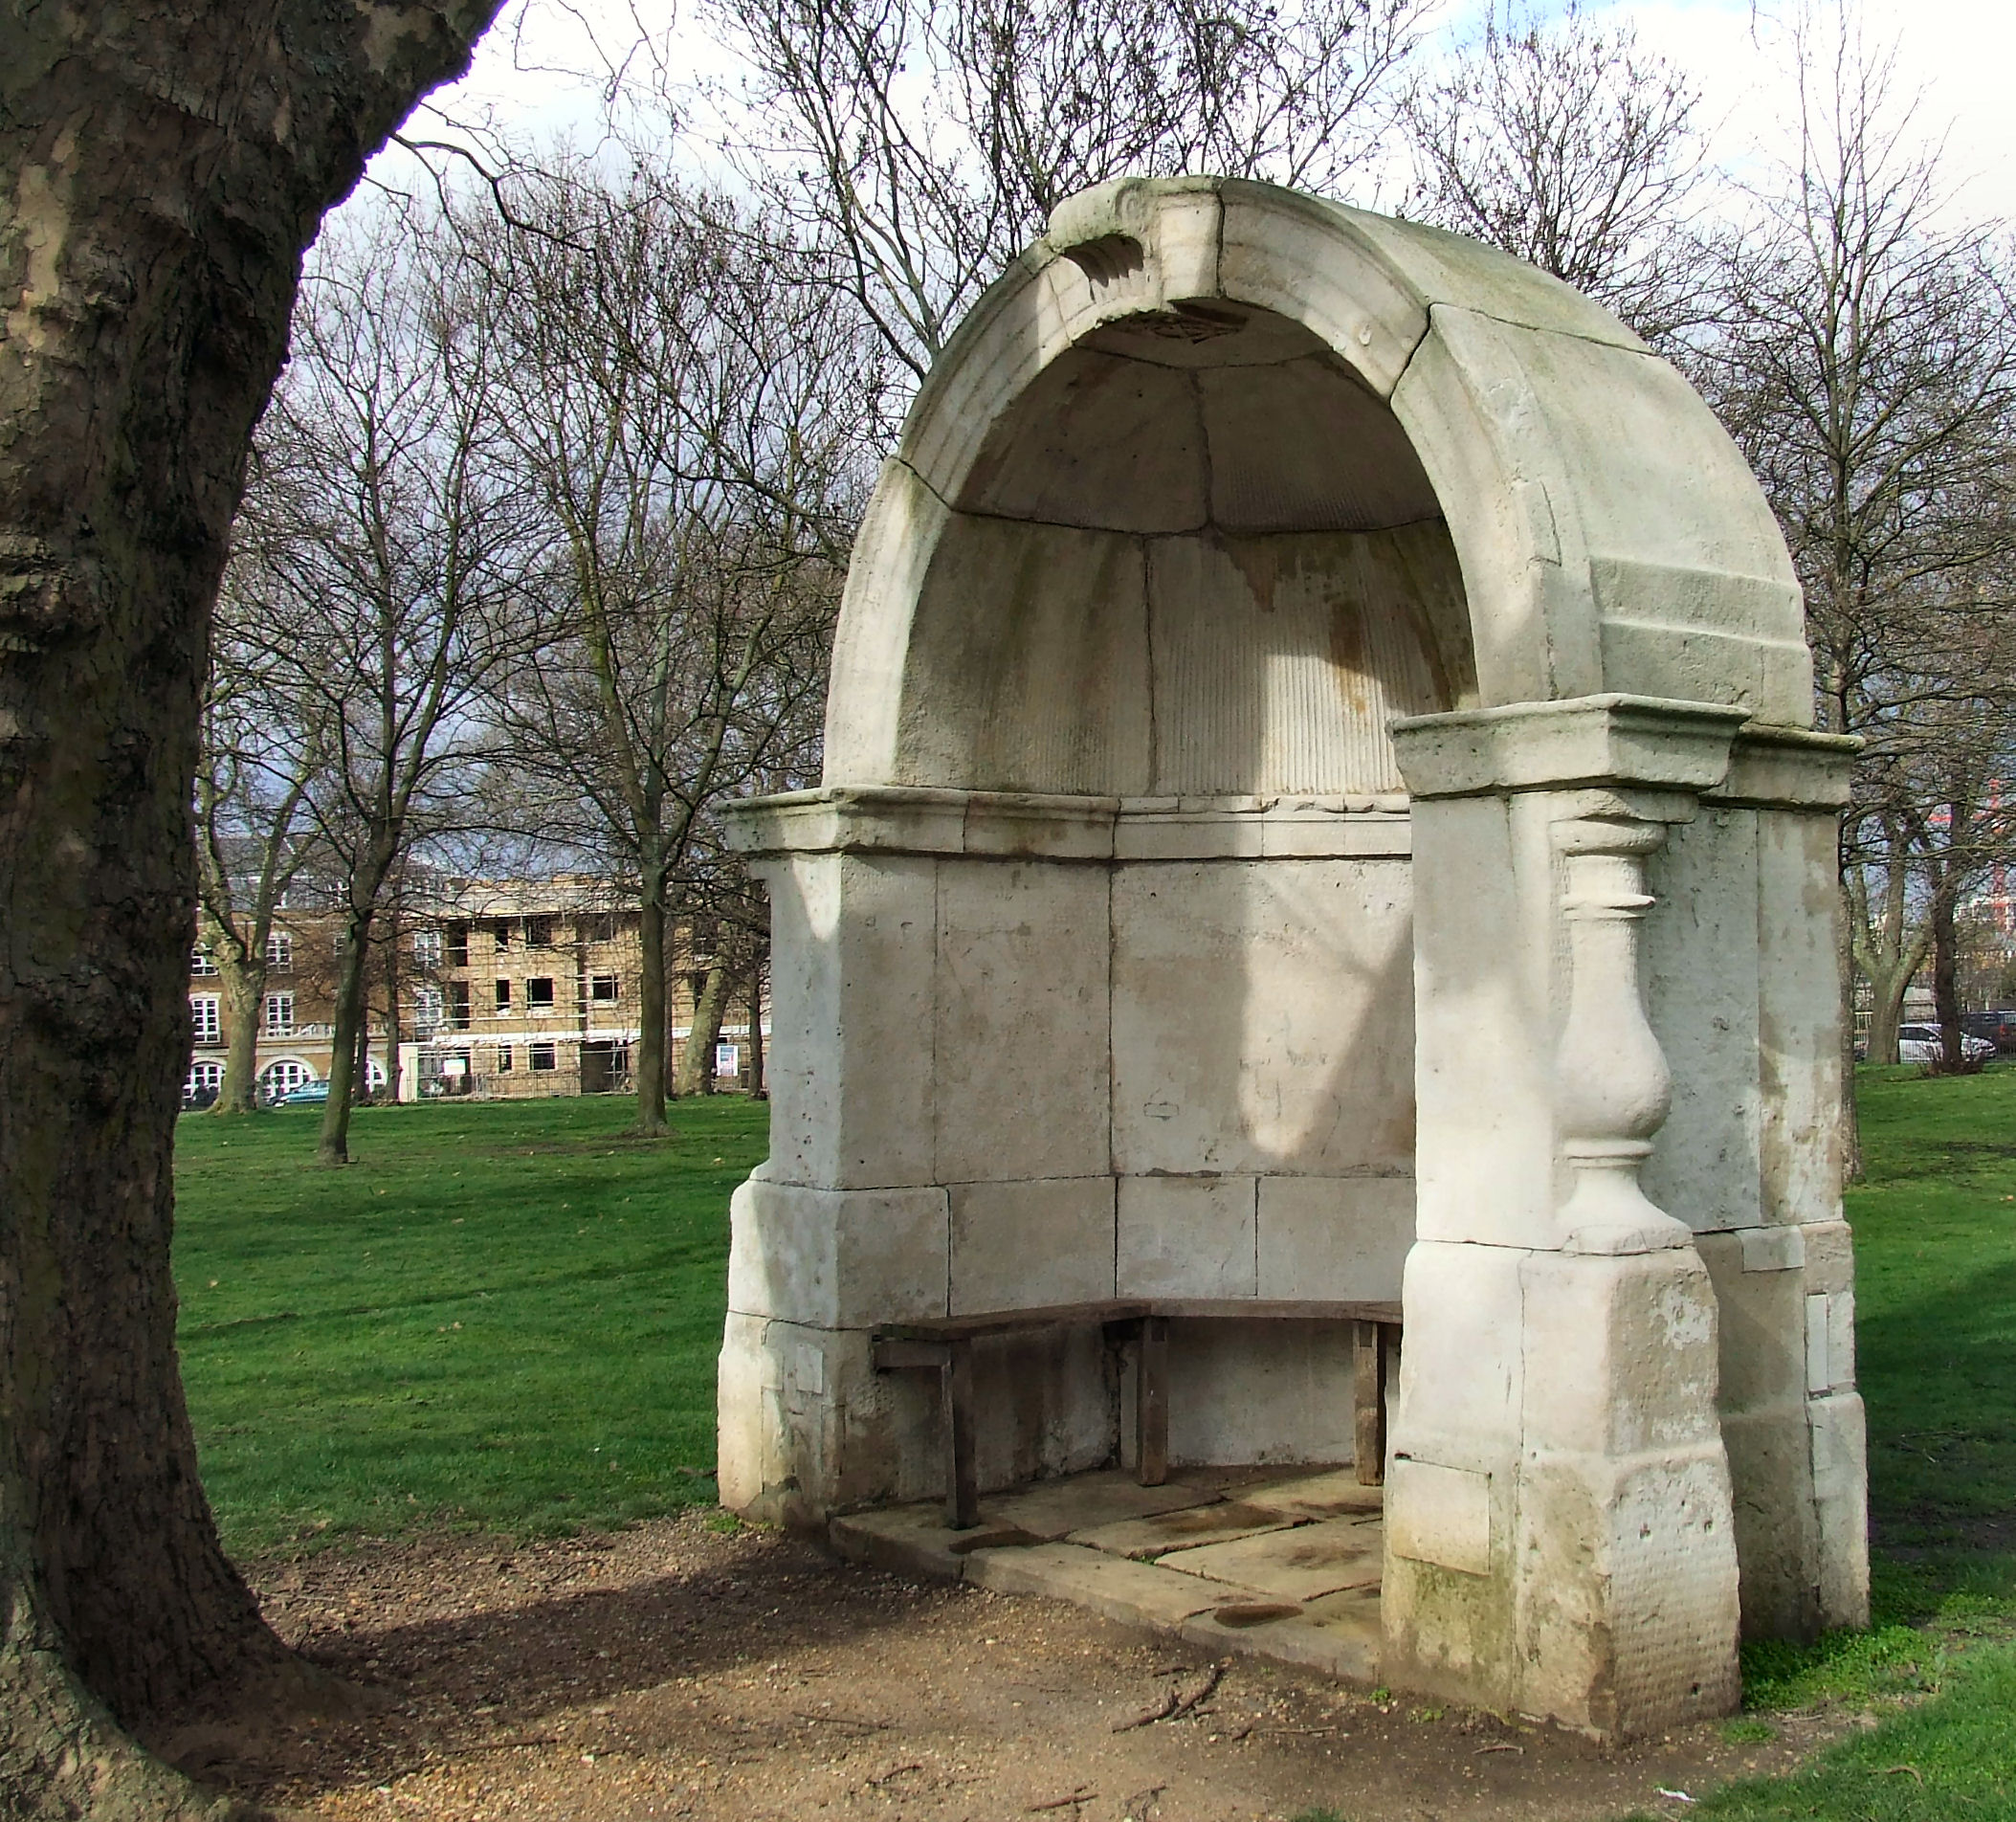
x: 163, y: 169
x: 259, y: 759
x: 1567, y: 144
x: 396, y: 539
x: 920, y: 143
x: 1864, y: 359
x: 689, y: 423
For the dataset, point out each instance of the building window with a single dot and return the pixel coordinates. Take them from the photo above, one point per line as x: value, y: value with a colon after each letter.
x: 603, y: 986
x: 426, y: 1007
x: 280, y: 952
x: 504, y: 1063
x: 455, y: 946
x: 200, y: 963
x: 283, y: 1077
x: 706, y: 936
x: 500, y: 935
x: 542, y: 1057
x: 503, y: 996
x: 599, y: 928
x: 206, y: 1078
x: 457, y: 1006
x: 203, y: 1017
x: 279, y: 1014
x: 426, y: 948
x: 538, y: 991
x: 539, y: 933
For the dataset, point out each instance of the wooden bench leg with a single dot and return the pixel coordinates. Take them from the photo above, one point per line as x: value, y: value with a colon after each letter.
x: 1151, y: 1401
x: 1369, y: 1351
x: 961, y: 1483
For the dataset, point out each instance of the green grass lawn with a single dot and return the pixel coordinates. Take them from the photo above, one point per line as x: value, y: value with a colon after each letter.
x: 503, y: 1314
x: 1936, y: 1300
x: 506, y: 1316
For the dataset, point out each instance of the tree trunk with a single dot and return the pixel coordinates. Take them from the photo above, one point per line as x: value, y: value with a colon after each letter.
x: 243, y: 992
x: 1945, y: 969
x: 1849, y: 974
x: 162, y: 171
x: 394, y: 1030
x: 361, y: 1067
x: 333, y: 1146
x: 651, y: 1011
x: 697, y: 1063
x: 1887, y: 988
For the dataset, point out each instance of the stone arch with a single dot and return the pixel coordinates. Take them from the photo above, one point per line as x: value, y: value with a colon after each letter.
x: 1566, y: 494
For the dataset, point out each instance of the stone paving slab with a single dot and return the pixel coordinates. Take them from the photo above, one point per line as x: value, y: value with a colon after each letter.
x: 1242, y: 1606
x: 1133, y: 1593
x: 1332, y: 1495
x: 914, y: 1539
x: 1053, y: 1509
x: 1296, y: 1565
x: 1343, y: 1649
x: 1143, y: 1538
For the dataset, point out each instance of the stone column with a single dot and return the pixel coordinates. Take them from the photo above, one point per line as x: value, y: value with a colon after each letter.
x: 1626, y: 1615
x: 1559, y: 1535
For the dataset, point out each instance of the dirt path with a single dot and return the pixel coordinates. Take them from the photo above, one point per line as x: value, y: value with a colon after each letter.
x: 671, y: 1670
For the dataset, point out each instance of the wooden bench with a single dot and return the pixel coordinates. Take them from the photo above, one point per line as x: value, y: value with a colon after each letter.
x: 944, y: 1346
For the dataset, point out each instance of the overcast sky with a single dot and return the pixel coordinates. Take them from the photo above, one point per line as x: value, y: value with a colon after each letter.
x: 1956, y: 56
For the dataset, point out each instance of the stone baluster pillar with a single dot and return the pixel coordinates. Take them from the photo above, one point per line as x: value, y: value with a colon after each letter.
x: 1612, y: 1086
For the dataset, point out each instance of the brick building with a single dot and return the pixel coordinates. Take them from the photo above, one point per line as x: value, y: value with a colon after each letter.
x: 505, y: 988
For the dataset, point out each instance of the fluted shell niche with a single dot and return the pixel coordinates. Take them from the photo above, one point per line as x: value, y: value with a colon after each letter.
x: 1198, y: 557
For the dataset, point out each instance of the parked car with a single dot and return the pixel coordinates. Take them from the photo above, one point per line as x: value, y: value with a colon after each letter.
x: 1920, y: 1044
x: 307, y: 1095
x: 1997, y: 1026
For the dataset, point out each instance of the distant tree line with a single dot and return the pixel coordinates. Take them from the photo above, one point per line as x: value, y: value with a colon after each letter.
x: 549, y: 517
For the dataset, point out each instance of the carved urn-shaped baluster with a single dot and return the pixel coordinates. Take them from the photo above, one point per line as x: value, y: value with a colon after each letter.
x: 1613, y: 1088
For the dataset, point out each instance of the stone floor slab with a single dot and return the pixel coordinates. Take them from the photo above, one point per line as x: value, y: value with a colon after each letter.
x: 1133, y: 1593
x: 1145, y: 1539
x: 1332, y: 1495
x: 1053, y: 1509
x: 914, y: 1539
x: 1297, y: 1565
x: 1348, y: 1651
x: 1272, y: 1591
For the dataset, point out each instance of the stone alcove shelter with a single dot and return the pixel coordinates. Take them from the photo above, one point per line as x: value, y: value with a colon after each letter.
x: 1320, y: 802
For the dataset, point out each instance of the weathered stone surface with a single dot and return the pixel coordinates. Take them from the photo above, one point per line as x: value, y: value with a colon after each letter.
x: 1145, y: 1539
x: 1022, y: 1023
x: 1334, y: 1236
x: 1054, y: 1509
x: 1346, y: 1649
x: 1023, y: 1245
x: 1133, y: 1593
x: 1332, y: 1495
x: 1261, y: 1017
x: 1186, y: 1236
x: 838, y: 1259
x: 914, y: 1539
x: 1296, y: 1565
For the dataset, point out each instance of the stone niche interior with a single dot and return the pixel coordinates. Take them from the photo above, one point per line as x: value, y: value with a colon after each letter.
x: 1196, y: 569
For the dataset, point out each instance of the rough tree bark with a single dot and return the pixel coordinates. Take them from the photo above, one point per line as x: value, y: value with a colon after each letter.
x: 651, y: 1074
x: 697, y: 1059
x: 161, y: 168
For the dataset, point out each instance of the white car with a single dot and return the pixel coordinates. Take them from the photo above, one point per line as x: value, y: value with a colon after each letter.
x: 1921, y: 1044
